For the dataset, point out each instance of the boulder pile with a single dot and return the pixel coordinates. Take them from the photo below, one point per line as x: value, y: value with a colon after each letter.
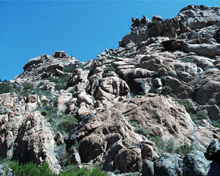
x: 151, y: 106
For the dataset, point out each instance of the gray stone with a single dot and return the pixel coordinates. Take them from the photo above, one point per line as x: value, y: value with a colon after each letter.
x: 157, y: 18
x: 168, y: 165
x: 213, y: 112
x: 140, y: 86
x: 60, y: 54
x: 195, y: 163
x: 157, y: 82
x: 213, y: 151
x: 147, y: 168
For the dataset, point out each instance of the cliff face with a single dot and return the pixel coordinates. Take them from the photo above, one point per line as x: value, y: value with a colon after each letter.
x: 158, y: 92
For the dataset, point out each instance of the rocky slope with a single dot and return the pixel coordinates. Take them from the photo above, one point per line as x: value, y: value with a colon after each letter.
x: 133, y: 109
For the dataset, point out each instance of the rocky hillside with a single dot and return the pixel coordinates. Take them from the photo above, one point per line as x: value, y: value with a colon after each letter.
x: 151, y: 106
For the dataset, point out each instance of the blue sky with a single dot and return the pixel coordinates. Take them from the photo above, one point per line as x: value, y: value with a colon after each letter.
x: 82, y: 28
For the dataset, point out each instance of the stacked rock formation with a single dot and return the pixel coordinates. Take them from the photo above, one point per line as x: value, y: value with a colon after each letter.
x: 142, y: 107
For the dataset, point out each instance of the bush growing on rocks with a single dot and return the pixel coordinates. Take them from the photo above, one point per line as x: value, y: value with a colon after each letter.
x: 185, y: 149
x: 33, y: 170
x: 69, y: 69
x: 68, y: 122
x: 187, y: 105
x: 216, y: 123
x: 107, y: 69
x: 60, y: 81
x: 5, y: 88
x: 199, y: 115
x: 167, y: 90
x: 61, y: 122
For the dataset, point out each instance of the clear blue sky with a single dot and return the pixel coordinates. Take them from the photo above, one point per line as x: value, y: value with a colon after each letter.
x: 82, y: 28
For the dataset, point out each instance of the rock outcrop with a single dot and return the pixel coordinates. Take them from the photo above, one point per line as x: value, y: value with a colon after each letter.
x: 150, y: 106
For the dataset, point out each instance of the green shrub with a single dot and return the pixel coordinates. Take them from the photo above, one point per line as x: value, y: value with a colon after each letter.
x: 27, y: 88
x: 70, y: 168
x: 6, y: 172
x: 72, y: 91
x: 69, y: 69
x: 6, y: 88
x: 153, y: 23
x: 201, y: 114
x: 6, y: 163
x: 135, y: 124
x: 96, y: 171
x: 62, y: 122
x: 167, y: 90
x: 188, y: 59
x: 60, y: 81
x: 158, y: 141
x: 76, y: 146
x: 193, y: 116
x: 185, y: 149
x: 31, y: 169
x: 107, y: 69
x: 216, y: 123
x: 142, y: 131
x: 67, y: 124
x: 187, y: 105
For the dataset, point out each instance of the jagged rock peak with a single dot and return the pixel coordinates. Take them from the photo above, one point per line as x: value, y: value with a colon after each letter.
x: 60, y: 54
x: 189, y: 20
x: 199, y: 16
x: 47, y: 64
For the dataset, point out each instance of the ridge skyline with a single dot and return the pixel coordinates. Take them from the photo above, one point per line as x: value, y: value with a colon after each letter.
x: 33, y: 28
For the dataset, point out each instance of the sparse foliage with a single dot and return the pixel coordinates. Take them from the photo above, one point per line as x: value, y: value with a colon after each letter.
x: 167, y: 90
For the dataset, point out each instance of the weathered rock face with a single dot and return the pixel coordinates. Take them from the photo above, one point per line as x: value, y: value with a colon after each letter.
x: 199, y: 16
x: 60, y: 54
x: 107, y: 137
x: 190, y: 18
x: 114, y: 86
x: 156, y: 93
x: 168, y: 164
x: 212, y: 152
x: 46, y: 64
x: 195, y: 163
x: 35, y: 142
x: 26, y: 136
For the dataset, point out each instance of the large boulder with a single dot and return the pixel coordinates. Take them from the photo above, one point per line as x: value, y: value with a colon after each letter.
x: 195, y: 163
x: 208, y: 88
x: 204, y: 49
x: 213, y: 151
x: 90, y: 147
x: 62, y: 101
x: 79, y: 80
x: 168, y: 165
x: 115, y: 86
x: 35, y: 142
x: 60, y: 54
x: 129, y: 160
x: 84, y: 97
x: 199, y: 16
x: 147, y: 168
